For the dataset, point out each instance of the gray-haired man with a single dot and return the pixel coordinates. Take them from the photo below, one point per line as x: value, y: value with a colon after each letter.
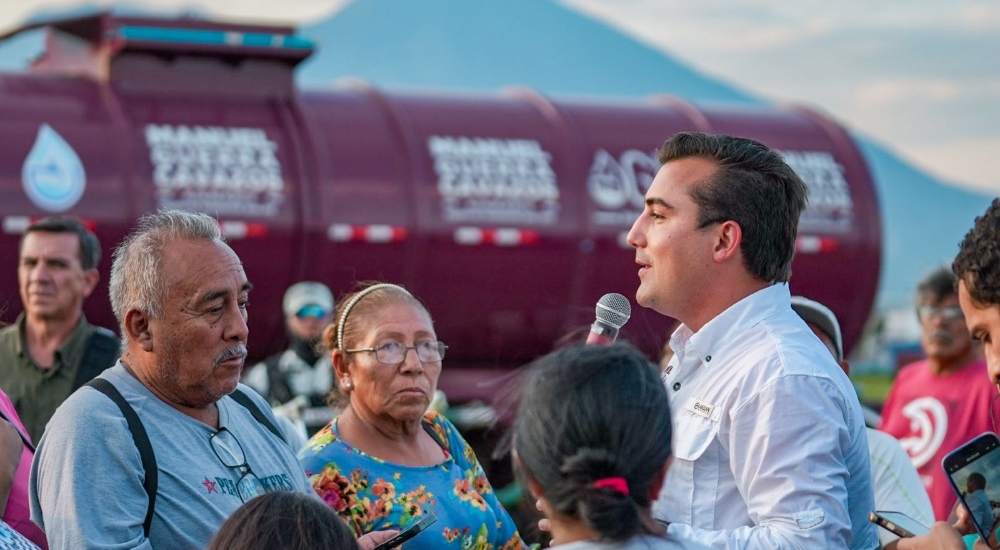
x: 180, y: 295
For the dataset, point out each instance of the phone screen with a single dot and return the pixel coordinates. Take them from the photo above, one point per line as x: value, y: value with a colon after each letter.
x: 974, y: 472
x: 406, y: 534
x: 899, y: 523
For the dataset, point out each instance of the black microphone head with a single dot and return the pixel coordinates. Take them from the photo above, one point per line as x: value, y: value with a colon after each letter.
x: 614, y: 309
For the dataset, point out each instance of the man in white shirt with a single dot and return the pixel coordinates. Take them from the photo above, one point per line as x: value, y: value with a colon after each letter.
x: 895, y: 481
x: 977, y: 267
x: 979, y: 504
x: 770, y: 448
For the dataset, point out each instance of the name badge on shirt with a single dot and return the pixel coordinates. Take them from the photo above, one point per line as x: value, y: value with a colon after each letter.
x: 701, y: 408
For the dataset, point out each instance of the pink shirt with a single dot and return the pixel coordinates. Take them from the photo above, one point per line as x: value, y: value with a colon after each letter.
x: 933, y: 415
x: 17, y: 513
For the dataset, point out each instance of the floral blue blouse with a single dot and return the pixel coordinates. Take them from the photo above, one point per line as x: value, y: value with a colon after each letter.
x: 371, y: 494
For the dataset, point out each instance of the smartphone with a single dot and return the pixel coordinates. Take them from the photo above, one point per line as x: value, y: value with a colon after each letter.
x: 898, y: 523
x: 974, y: 472
x: 406, y: 534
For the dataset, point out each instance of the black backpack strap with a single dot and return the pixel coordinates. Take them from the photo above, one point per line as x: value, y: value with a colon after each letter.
x: 24, y: 438
x: 248, y: 403
x: 99, y: 354
x: 142, y: 443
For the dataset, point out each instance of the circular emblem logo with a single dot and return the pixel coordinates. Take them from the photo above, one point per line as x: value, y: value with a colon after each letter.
x: 929, y: 422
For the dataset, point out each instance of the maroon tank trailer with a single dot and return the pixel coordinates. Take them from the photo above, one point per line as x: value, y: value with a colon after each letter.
x: 506, y: 213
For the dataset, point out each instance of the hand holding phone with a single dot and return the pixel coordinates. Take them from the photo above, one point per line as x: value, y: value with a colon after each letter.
x: 974, y: 472
x: 898, y: 523
x: 413, y: 530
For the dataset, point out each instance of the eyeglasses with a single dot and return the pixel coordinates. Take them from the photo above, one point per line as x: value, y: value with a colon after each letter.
x: 394, y: 353
x: 229, y: 451
x: 950, y: 313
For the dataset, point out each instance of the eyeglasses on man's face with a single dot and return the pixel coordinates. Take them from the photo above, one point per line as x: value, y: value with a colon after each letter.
x: 949, y: 313
x: 229, y: 451
x: 394, y: 353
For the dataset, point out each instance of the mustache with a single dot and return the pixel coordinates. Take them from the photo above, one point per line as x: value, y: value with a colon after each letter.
x: 237, y: 350
x: 939, y: 334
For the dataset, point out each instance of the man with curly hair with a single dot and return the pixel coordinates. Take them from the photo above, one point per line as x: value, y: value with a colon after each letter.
x: 937, y: 404
x: 977, y: 268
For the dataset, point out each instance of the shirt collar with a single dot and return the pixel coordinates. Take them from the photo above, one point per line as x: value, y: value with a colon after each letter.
x: 736, y: 319
x: 73, y: 340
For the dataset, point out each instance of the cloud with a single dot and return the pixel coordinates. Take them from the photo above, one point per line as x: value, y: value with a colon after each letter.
x: 914, y: 75
x: 971, y: 163
x: 15, y: 14
x: 882, y: 91
x: 984, y: 16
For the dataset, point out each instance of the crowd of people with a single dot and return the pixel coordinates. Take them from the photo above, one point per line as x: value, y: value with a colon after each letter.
x: 749, y: 435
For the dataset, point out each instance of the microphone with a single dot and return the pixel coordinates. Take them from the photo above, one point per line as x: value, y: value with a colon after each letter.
x: 613, y: 311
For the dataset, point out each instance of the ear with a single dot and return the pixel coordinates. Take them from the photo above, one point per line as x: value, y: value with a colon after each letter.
x: 534, y: 489
x: 729, y: 237
x: 657, y: 482
x: 90, y: 280
x: 340, y: 366
x: 536, y: 493
x: 138, y: 329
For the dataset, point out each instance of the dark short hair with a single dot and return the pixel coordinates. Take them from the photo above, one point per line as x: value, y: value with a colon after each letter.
x: 978, y: 478
x: 588, y: 413
x: 283, y: 520
x: 753, y: 187
x: 978, y: 260
x: 90, y: 247
x: 938, y: 284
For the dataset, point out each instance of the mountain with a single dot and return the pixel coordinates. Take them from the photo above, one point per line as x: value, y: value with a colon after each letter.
x: 924, y: 221
x: 487, y: 45
x: 484, y: 46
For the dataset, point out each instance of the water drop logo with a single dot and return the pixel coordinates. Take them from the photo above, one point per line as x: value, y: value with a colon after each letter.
x: 52, y: 174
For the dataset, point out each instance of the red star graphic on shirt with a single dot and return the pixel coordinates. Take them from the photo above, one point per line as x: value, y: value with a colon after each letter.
x: 210, y: 485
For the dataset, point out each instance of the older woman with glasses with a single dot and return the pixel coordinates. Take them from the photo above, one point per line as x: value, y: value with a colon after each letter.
x: 386, y: 462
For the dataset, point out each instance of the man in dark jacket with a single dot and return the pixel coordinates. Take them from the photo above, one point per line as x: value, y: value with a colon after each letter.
x: 296, y: 381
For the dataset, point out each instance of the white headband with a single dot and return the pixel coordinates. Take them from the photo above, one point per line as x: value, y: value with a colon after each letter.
x: 354, y: 300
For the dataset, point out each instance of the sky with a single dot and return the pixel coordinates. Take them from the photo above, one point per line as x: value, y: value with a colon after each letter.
x: 920, y: 76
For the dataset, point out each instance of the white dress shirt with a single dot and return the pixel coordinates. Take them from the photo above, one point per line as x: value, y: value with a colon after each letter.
x: 769, y: 441
x: 896, y: 484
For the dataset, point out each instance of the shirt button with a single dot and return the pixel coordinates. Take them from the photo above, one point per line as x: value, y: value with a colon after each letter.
x: 708, y: 358
x: 677, y: 386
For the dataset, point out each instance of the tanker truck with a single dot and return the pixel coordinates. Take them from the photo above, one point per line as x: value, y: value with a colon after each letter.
x: 506, y: 213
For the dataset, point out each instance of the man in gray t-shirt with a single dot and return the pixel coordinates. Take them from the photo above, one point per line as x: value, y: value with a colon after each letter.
x: 89, y: 463
x: 180, y: 296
